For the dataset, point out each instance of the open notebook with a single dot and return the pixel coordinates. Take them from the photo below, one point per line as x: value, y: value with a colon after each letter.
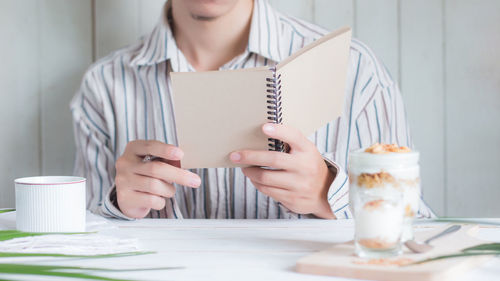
x: 218, y: 112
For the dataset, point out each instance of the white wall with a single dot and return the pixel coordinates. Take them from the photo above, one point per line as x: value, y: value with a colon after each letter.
x: 445, y: 54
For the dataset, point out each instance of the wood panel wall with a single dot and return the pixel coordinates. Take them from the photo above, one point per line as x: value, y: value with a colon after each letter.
x: 444, y: 54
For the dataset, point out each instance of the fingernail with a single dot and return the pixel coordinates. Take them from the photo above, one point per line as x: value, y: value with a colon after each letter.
x: 269, y: 128
x: 235, y: 157
x: 195, y: 181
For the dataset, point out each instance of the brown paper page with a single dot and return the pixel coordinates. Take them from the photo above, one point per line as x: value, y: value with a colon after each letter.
x: 313, y: 82
x: 218, y: 112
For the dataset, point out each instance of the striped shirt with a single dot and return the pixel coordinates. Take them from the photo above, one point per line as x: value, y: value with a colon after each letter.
x: 127, y: 96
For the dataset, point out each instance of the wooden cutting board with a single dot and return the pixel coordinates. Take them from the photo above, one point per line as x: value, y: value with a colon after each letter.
x: 339, y: 260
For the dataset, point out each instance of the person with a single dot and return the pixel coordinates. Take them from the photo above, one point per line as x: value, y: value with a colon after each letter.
x: 123, y: 112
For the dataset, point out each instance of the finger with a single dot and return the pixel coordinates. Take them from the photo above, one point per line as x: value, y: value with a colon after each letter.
x: 153, y: 186
x: 168, y: 173
x: 287, y: 134
x: 146, y: 200
x: 279, y: 179
x: 274, y: 159
x: 278, y: 194
x: 137, y: 204
x: 155, y: 148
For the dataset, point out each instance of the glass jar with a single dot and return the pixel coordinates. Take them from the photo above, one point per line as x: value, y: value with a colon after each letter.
x: 378, y: 224
x: 387, y: 173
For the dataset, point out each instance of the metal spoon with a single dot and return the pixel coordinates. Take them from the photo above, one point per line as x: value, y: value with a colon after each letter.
x: 419, y: 247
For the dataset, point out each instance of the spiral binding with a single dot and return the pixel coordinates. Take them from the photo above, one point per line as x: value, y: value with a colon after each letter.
x: 274, y: 108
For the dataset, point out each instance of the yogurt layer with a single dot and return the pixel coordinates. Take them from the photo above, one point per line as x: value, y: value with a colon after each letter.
x: 380, y: 220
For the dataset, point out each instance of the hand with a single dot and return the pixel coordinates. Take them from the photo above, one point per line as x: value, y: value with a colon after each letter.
x: 142, y: 186
x: 302, y: 180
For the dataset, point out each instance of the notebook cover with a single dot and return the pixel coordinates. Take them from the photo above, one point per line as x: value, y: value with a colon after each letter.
x: 217, y: 112
x: 313, y: 82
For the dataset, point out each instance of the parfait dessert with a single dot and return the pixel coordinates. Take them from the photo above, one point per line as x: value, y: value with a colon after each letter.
x: 379, y: 225
x: 384, y: 195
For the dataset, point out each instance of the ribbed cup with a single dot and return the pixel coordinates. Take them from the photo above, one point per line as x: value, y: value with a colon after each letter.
x: 50, y: 204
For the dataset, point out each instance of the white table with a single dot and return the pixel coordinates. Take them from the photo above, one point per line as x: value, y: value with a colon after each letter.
x: 236, y: 249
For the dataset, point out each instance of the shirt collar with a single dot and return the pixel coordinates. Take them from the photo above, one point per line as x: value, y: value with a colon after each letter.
x: 265, y: 32
x: 264, y: 38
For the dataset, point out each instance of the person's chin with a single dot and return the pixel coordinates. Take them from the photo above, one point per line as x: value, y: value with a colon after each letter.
x: 207, y: 10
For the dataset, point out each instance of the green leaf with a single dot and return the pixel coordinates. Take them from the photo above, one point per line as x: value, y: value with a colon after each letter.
x: 22, y: 269
x: 479, y: 250
x: 62, y: 271
x: 62, y: 267
x: 491, y: 247
x: 126, y: 254
x: 466, y: 221
x: 454, y: 256
x: 6, y: 210
x: 11, y: 234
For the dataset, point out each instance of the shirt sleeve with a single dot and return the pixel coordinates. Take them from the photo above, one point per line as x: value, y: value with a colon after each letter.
x: 339, y: 189
x: 95, y: 159
x: 110, y: 206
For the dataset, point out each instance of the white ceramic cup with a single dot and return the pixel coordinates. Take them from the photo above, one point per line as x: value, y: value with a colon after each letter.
x: 50, y: 204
